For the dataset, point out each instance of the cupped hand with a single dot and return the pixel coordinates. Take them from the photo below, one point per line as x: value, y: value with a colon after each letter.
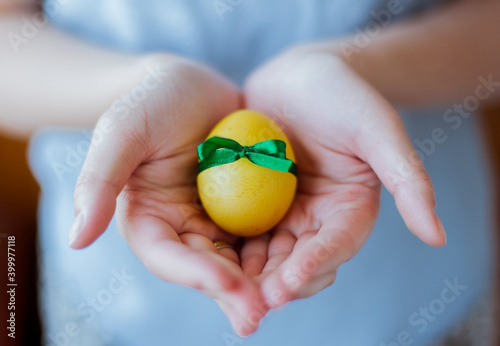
x: 348, y: 140
x: 142, y: 161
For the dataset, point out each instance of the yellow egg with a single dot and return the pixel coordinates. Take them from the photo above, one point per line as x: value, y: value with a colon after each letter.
x: 242, y: 197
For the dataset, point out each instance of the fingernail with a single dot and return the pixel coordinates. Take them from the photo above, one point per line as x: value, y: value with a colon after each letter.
x: 76, y: 229
x: 441, y: 228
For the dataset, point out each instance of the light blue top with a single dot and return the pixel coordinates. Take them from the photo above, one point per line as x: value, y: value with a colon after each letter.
x: 396, y: 289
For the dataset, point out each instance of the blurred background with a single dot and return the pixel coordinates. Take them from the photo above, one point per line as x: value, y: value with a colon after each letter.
x: 18, y: 214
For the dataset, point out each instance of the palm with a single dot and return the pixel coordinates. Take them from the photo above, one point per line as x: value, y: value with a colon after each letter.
x: 150, y: 160
x: 161, y: 196
x: 164, y: 188
x: 346, y: 137
x: 337, y: 195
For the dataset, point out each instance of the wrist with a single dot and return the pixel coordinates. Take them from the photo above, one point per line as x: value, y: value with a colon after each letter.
x: 374, y: 62
x: 365, y: 61
x: 361, y: 60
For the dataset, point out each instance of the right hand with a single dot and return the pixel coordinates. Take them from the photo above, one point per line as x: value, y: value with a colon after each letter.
x: 348, y: 140
x: 143, y: 161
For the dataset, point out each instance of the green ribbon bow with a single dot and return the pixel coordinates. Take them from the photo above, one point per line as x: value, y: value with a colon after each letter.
x: 271, y: 154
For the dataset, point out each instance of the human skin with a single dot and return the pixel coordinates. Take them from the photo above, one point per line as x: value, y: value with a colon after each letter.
x: 344, y: 126
x: 349, y: 138
x: 150, y: 147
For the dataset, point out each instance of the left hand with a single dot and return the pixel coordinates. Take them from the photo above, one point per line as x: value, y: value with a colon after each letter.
x: 347, y: 139
x: 142, y: 161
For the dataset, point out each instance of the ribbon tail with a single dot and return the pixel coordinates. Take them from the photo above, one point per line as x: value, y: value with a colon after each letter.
x: 272, y: 162
x: 217, y: 158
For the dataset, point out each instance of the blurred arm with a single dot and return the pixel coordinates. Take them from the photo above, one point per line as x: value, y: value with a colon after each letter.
x: 50, y: 78
x: 434, y: 59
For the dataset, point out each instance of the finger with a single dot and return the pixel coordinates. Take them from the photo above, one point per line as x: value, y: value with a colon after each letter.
x: 230, y: 254
x: 113, y: 156
x: 387, y: 148
x: 374, y: 126
x: 202, y: 243
x: 240, y: 324
x: 280, y: 247
x: 198, y: 242
x: 317, y: 284
x: 254, y: 254
x: 231, y: 314
x: 159, y: 247
x: 340, y: 238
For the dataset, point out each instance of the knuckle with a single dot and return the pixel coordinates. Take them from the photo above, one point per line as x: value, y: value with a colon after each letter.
x: 404, y: 188
x: 350, y: 245
x: 330, y: 277
x: 85, y: 179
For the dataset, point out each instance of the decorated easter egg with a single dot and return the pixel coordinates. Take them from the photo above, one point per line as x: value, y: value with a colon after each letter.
x: 246, y: 174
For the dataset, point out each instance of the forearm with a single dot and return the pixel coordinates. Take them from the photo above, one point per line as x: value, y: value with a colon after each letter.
x: 55, y: 79
x: 435, y: 59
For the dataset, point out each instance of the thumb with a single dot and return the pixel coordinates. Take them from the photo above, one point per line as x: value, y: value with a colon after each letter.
x: 114, y: 154
x: 390, y: 153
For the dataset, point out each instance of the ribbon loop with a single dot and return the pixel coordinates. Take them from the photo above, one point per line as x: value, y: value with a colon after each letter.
x: 271, y: 154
